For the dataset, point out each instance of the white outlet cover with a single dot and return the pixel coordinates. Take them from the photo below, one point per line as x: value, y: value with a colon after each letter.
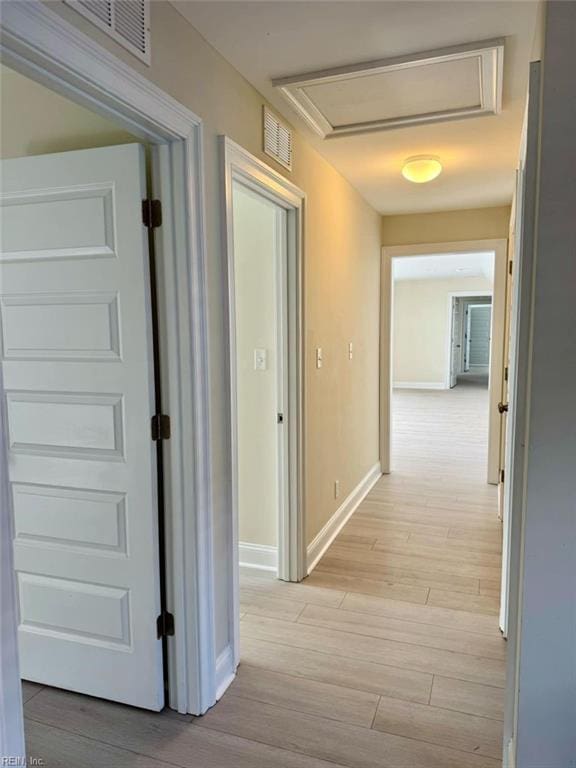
x: 319, y: 357
x: 350, y: 351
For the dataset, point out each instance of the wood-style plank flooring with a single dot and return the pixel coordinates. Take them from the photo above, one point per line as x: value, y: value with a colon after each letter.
x: 387, y: 656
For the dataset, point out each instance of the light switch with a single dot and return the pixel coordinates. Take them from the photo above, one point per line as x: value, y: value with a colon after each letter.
x: 350, y: 351
x: 319, y: 357
x: 260, y: 360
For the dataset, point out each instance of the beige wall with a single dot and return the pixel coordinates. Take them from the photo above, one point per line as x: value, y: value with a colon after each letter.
x: 255, y: 275
x: 341, y: 272
x: 36, y: 121
x: 447, y: 226
x: 421, y: 325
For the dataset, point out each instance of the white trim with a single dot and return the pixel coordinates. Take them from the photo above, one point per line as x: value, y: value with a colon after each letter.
x: 500, y: 249
x: 225, y: 671
x: 259, y: 556
x: 462, y: 295
x: 326, y: 536
x: 490, y: 74
x: 11, y: 715
x: 42, y: 45
x: 419, y: 385
x: 240, y: 165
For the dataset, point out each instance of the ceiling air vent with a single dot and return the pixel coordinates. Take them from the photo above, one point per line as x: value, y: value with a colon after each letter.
x: 277, y: 140
x: 126, y: 21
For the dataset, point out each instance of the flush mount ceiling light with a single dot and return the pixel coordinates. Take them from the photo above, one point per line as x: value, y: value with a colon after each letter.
x: 418, y: 88
x: 421, y: 168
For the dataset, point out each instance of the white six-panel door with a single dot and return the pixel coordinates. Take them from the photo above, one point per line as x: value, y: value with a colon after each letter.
x: 79, y: 396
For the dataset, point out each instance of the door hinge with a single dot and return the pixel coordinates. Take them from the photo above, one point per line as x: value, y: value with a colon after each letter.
x: 280, y: 418
x: 501, y: 475
x: 152, y: 213
x: 165, y: 624
x: 506, y: 373
x: 510, y: 267
x: 160, y: 426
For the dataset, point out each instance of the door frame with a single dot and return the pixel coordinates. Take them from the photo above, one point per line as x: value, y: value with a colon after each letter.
x: 461, y: 295
x: 497, y: 246
x: 42, y: 45
x: 241, y: 166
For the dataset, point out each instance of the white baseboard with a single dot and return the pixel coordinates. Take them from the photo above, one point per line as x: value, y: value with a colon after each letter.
x: 258, y: 556
x: 326, y: 536
x: 419, y: 385
x: 225, y: 671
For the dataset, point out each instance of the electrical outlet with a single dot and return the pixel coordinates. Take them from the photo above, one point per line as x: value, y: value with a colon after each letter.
x: 350, y: 351
x: 319, y: 357
x: 336, y: 488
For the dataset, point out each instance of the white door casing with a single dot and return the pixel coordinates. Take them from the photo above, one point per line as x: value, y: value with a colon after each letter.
x: 79, y: 396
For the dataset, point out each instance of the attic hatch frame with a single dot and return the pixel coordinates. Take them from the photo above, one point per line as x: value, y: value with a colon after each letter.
x: 490, y: 54
x: 42, y: 45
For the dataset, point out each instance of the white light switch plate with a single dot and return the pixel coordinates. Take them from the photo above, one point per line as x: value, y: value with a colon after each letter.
x: 319, y: 357
x: 260, y: 360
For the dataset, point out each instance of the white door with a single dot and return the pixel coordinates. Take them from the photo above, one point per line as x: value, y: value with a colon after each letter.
x: 455, y: 340
x: 79, y: 395
x: 520, y: 326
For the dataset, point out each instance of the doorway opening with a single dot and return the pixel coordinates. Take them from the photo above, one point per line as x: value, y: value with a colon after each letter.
x: 469, y: 339
x: 439, y: 351
x: 264, y: 214
x: 81, y: 376
x: 91, y: 331
x: 260, y: 302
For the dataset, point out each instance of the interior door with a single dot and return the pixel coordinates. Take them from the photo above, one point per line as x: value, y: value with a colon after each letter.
x: 520, y: 321
x: 78, y: 399
x: 455, y: 341
x: 507, y: 332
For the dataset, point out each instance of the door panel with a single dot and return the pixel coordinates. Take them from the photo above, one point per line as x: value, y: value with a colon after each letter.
x: 78, y: 399
x: 455, y: 341
x: 520, y: 327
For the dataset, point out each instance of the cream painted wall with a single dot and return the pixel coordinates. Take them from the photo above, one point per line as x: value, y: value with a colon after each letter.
x: 447, y: 226
x: 256, y: 223
x: 341, y: 276
x: 35, y: 121
x: 420, y: 327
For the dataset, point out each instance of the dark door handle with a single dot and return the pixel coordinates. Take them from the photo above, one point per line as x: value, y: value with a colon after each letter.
x: 502, y: 407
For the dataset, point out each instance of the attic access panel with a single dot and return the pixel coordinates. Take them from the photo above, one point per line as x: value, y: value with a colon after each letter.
x: 428, y: 87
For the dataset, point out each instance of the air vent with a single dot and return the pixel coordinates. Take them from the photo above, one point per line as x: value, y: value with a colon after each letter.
x: 126, y: 21
x: 277, y: 140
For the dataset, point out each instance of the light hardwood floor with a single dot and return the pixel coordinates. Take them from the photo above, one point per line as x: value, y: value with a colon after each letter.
x: 387, y: 656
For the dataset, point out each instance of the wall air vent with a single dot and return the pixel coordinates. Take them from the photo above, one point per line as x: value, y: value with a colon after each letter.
x: 126, y: 21
x: 277, y: 139
x: 419, y: 88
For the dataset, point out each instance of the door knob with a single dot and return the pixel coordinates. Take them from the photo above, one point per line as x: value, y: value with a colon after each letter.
x: 502, y: 407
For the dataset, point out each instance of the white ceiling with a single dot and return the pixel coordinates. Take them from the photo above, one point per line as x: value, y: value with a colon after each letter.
x: 444, y: 265
x: 272, y: 39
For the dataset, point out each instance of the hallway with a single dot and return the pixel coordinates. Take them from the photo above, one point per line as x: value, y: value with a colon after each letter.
x: 389, y: 654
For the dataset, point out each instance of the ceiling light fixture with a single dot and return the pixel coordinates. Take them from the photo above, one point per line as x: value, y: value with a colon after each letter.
x: 421, y: 168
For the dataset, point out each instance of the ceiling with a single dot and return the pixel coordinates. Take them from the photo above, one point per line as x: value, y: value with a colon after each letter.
x: 265, y: 40
x: 443, y: 266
